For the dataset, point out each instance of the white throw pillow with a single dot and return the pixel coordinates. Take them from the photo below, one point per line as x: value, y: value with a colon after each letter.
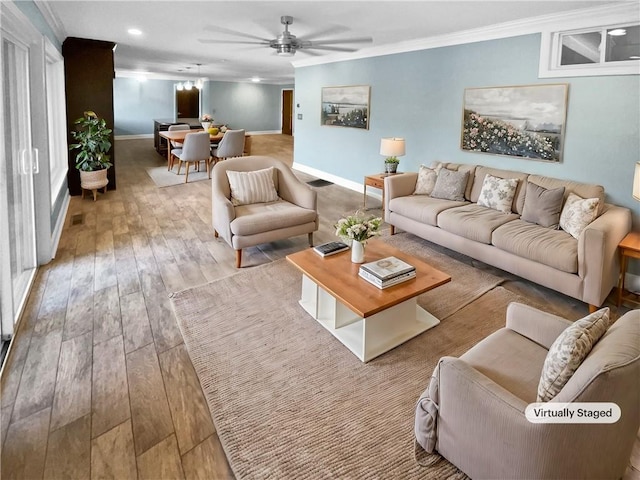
x: 498, y: 193
x: 577, y: 213
x: 426, y: 180
x: 252, y: 187
x: 568, y: 351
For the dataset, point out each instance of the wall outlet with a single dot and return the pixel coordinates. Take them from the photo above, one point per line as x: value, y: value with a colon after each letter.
x: 299, y: 116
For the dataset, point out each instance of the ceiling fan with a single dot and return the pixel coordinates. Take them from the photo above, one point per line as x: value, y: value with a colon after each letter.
x: 287, y: 44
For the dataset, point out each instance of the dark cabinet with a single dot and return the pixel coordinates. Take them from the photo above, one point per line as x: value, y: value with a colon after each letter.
x: 89, y: 73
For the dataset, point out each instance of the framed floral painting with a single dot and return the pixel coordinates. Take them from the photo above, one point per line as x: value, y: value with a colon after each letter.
x: 521, y: 121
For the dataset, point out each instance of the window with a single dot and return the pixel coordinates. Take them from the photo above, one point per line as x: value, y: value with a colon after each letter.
x: 57, y: 121
x: 607, y: 50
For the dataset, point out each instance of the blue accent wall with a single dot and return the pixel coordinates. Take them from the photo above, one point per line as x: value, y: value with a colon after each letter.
x: 252, y: 106
x: 419, y: 96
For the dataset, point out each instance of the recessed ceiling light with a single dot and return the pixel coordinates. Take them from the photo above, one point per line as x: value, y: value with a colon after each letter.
x: 255, y: 79
x: 134, y: 31
x: 617, y: 32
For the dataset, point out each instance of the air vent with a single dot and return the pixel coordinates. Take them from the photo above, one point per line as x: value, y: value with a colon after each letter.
x: 77, y: 219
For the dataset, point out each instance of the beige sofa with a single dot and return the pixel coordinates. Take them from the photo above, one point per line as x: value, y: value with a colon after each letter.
x: 473, y: 412
x: 585, y: 268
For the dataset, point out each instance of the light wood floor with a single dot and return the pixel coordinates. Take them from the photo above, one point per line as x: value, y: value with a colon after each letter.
x: 99, y: 383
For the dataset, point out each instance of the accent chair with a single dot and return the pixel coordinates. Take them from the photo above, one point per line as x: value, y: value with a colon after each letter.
x: 196, y: 149
x: 473, y: 412
x: 258, y: 199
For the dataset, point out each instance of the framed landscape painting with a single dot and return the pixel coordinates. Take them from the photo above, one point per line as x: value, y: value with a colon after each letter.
x: 521, y: 121
x: 346, y: 106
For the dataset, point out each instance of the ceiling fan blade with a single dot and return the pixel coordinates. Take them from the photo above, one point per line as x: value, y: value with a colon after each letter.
x: 333, y: 49
x: 228, y: 31
x: 343, y: 40
x: 233, y: 42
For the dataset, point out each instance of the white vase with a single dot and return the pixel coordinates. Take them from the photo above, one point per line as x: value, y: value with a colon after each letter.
x: 357, y: 252
x: 205, y: 125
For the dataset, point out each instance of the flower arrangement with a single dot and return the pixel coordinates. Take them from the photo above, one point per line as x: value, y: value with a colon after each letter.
x: 358, y: 227
x: 207, y: 118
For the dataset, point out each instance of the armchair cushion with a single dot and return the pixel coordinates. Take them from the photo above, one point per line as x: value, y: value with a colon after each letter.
x: 252, y: 187
x: 568, y: 351
x: 427, y: 413
x: 257, y: 218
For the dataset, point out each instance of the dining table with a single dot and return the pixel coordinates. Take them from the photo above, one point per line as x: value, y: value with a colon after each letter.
x: 179, y: 136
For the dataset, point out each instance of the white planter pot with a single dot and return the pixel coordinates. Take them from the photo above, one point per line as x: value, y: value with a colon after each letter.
x: 357, y: 252
x: 205, y: 125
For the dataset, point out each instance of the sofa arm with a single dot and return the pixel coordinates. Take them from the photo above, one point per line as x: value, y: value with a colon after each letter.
x: 598, y: 262
x: 399, y: 185
x: 538, y: 326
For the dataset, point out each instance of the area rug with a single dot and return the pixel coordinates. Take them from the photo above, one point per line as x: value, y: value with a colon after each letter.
x: 289, y: 401
x: 165, y: 178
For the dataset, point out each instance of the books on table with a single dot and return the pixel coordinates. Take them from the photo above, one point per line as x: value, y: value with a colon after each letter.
x: 387, y: 272
x: 330, y: 248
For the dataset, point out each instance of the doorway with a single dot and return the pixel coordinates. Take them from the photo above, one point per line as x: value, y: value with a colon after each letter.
x: 188, y: 104
x: 287, y: 112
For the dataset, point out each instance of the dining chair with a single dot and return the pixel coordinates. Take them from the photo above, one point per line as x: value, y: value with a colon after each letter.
x: 174, y: 145
x: 196, y: 149
x: 231, y: 145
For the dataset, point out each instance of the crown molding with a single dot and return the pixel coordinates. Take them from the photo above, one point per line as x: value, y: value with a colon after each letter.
x: 52, y: 19
x: 601, y: 15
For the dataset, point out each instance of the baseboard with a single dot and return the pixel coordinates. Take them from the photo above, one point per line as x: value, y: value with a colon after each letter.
x: 57, y: 231
x: 133, y: 137
x: 265, y: 132
x: 343, y: 182
x: 632, y: 282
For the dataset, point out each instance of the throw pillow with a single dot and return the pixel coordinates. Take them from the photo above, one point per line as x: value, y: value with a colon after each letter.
x: 568, y: 351
x: 498, y: 193
x: 252, y: 187
x: 577, y: 213
x: 450, y: 185
x: 543, y: 206
x: 426, y: 180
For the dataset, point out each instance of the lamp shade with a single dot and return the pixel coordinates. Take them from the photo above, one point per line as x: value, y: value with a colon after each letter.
x: 392, y: 147
x: 636, y: 182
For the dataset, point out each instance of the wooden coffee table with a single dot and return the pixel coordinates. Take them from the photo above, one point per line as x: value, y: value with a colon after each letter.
x: 367, y: 320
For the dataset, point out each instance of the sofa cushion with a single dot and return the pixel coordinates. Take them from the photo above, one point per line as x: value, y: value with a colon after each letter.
x: 568, y: 351
x: 553, y: 248
x: 421, y: 208
x: 481, y: 172
x: 252, y: 187
x: 450, y: 185
x: 577, y: 213
x: 473, y: 221
x: 498, y: 193
x: 265, y: 217
x: 584, y: 190
x: 510, y: 360
x: 542, y: 206
x: 426, y: 180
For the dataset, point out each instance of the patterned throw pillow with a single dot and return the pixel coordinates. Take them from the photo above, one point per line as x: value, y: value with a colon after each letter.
x: 542, y: 206
x: 450, y: 185
x: 498, y: 193
x: 577, y: 213
x: 252, y: 187
x: 568, y: 351
x: 426, y: 180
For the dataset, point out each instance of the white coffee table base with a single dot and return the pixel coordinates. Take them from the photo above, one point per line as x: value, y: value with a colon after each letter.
x: 367, y: 337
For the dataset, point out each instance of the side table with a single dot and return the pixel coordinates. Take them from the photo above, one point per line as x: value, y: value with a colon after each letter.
x: 629, y: 248
x: 375, y: 181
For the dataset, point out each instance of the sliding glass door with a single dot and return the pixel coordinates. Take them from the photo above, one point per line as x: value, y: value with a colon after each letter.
x: 18, y: 164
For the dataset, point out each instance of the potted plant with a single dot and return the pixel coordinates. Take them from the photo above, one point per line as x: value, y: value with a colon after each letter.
x: 92, y: 142
x: 357, y: 229
x: 391, y: 164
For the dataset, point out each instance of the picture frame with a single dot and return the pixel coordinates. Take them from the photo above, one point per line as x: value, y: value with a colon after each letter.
x: 346, y: 106
x: 525, y: 121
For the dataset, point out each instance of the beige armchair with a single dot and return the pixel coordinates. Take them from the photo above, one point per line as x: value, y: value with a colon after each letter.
x: 478, y: 401
x: 293, y: 213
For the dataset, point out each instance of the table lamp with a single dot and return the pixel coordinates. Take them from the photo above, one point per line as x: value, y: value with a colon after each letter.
x: 392, y: 148
x: 636, y: 182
